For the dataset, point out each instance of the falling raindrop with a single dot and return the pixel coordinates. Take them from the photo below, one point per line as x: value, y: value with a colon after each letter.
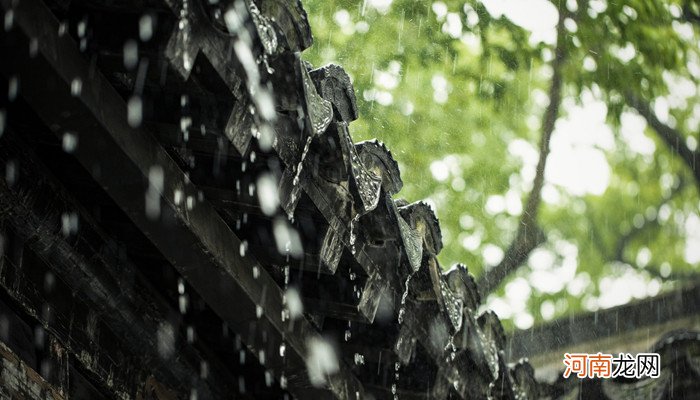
x: 166, y: 340
x: 49, y: 281
x: 321, y: 361
x: 183, y: 302
x: 190, y: 334
x: 82, y: 28
x: 204, y: 369
x: 62, y: 28
x: 155, y: 188
x: 267, y: 194
x: 39, y: 337
x: 69, y: 223
x: 287, y: 238
x: 241, y: 384
x: 76, y: 87
x: 293, y: 301
x: 12, y: 88
x: 180, y: 286
x: 177, y: 196
x: 283, y: 381
x: 9, y: 19
x: 70, y: 142
x: 131, y: 54
x: 11, y: 172
x: 33, y: 47
x: 134, y: 114
x: 145, y: 27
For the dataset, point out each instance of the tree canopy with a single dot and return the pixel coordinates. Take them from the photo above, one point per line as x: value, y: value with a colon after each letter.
x: 557, y: 140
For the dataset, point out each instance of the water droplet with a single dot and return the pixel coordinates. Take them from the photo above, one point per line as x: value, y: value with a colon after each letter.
x: 155, y: 188
x: 267, y: 194
x: 11, y: 172
x: 9, y: 19
x: 145, y: 28
x: 62, y: 28
x: 166, y: 340
x: 76, y: 87
x: 283, y: 349
x: 268, y: 378
x: 293, y: 301
x: 70, y: 142
x: 177, y: 197
x: 359, y: 359
x: 182, y: 303
x: 190, y: 334
x: 131, y: 54
x: 82, y: 28
x: 12, y: 88
x: 69, y: 223
x: 321, y: 361
x: 134, y: 111
x: 33, y: 47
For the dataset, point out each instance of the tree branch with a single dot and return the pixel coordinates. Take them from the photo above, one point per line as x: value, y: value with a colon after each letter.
x: 673, y: 138
x: 618, y: 255
x: 529, y: 235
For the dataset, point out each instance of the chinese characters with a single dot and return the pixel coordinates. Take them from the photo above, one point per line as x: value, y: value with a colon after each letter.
x: 601, y: 365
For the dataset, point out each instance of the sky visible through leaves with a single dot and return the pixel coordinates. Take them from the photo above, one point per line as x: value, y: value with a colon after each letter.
x: 459, y: 91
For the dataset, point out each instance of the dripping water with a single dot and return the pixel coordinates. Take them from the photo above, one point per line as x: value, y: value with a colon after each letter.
x: 402, y: 310
x: 353, y: 235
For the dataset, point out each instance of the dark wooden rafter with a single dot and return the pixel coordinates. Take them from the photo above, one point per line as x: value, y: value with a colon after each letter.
x: 112, y: 142
x: 37, y: 207
x: 657, y: 314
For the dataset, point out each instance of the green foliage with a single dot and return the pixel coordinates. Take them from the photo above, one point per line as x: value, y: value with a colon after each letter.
x: 452, y: 104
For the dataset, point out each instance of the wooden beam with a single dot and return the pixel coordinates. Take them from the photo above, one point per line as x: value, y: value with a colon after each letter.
x: 199, y: 243
x: 111, y: 292
x: 632, y: 327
